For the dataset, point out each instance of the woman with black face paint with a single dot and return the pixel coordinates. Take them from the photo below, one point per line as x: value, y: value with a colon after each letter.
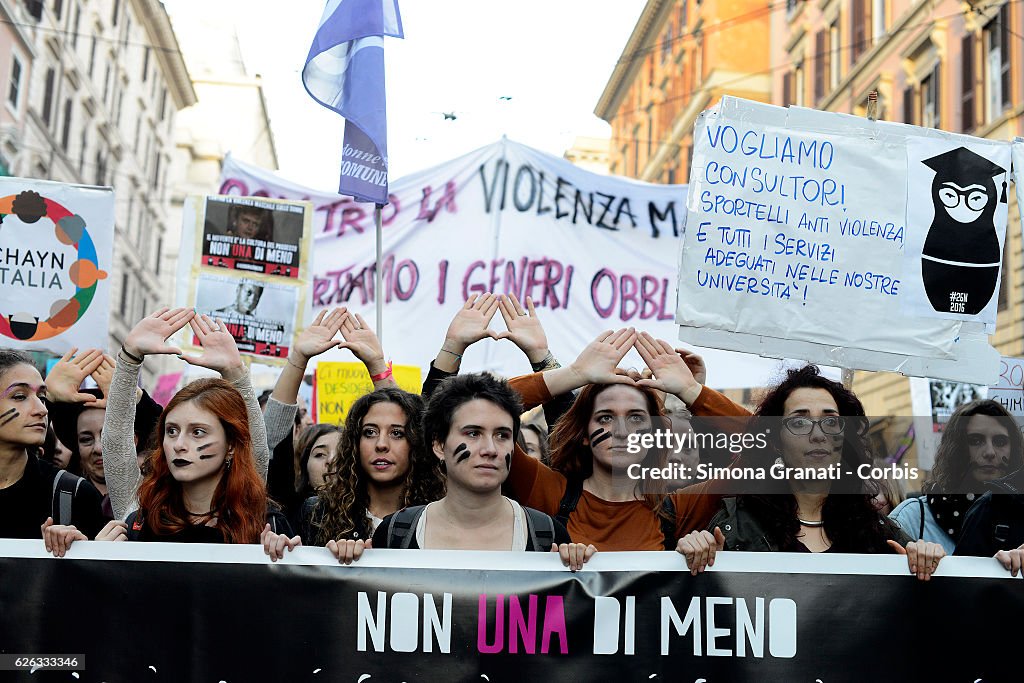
x: 471, y: 423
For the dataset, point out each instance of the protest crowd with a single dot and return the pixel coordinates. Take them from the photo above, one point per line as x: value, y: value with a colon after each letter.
x: 459, y: 467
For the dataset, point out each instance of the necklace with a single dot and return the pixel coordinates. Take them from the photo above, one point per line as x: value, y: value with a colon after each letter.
x: 817, y: 523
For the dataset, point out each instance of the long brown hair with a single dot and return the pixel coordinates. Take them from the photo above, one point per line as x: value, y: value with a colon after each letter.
x: 240, y: 499
x: 952, y: 462
x: 570, y: 448
x: 344, y: 498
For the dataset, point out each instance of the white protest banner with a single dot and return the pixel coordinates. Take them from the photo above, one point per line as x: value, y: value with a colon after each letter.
x: 245, y: 262
x: 1009, y: 390
x: 593, y: 252
x: 56, y: 254
x: 956, y: 228
x: 794, y: 246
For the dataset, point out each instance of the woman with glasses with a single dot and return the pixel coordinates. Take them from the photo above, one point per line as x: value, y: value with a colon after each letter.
x: 815, y: 431
x: 981, y: 443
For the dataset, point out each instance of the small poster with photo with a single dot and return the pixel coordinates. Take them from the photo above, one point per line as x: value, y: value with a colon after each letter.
x: 255, y: 234
x: 261, y: 315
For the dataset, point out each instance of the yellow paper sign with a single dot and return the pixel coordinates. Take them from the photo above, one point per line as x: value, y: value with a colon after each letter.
x: 338, y: 385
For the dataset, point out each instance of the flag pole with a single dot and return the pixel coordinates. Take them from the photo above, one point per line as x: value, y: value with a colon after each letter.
x: 378, y: 285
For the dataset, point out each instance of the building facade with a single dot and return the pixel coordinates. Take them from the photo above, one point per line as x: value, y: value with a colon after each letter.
x: 941, y: 64
x: 589, y: 153
x: 96, y: 87
x: 682, y: 56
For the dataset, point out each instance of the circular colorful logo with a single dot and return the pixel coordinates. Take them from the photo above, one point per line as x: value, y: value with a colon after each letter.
x: 84, y: 272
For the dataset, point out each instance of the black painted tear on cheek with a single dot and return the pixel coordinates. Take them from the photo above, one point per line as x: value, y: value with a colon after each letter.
x: 597, y: 432
x: 8, y: 416
x: 200, y: 449
x: 461, y: 456
x: 604, y: 437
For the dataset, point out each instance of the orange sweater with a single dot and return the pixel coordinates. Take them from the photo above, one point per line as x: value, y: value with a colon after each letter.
x: 609, y: 525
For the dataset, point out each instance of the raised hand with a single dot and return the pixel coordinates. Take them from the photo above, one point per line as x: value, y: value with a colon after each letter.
x: 64, y: 379
x: 671, y: 372
x: 151, y: 333
x: 363, y: 342
x: 103, y: 376
x: 524, y: 329
x: 597, y: 363
x: 219, y: 350
x: 470, y: 324
x: 319, y: 336
x: 695, y: 362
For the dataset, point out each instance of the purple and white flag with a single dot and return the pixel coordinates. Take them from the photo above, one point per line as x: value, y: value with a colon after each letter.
x: 345, y: 72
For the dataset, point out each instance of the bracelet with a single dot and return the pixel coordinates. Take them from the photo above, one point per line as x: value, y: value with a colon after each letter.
x: 295, y: 365
x: 457, y: 355
x: 383, y: 375
x: 547, y: 363
x: 131, y: 356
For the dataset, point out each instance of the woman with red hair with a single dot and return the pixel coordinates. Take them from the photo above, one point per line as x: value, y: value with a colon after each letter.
x: 206, y: 472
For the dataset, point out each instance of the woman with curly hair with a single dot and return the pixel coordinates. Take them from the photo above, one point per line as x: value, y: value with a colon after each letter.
x: 812, y: 423
x: 381, y: 466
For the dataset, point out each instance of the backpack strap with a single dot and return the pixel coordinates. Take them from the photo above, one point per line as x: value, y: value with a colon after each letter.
x: 667, y: 517
x: 570, y: 499
x: 540, y: 528
x: 402, y: 527
x: 920, y: 533
x: 65, y: 488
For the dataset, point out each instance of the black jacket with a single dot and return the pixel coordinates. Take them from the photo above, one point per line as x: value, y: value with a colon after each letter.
x: 996, y: 520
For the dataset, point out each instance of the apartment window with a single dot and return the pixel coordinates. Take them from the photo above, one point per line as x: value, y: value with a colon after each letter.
x: 163, y: 105
x: 35, y: 9
x: 997, y: 65
x: 909, y: 107
x: 821, y: 64
x: 82, y: 148
x: 65, y: 135
x: 878, y: 20
x: 967, y: 83
x: 650, y: 133
x: 798, y: 84
x: 120, y: 106
x: 792, y: 6
x: 145, y: 64
x: 106, y: 83
x: 124, y: 293
x: 930, y: 99
x: 74, y: 31
x: 666, y: 47
x: 156, y: 170
x: 48, y: 96
x: 858, y: 29
x: 834, y: 62
x: 636, y: 153
x: 14, y: 92
x: 117, y: 10
x: 683, y: 16
x: 787, y: 88
x: 127, y: 32
x: 92, y: 55
x: 159, y: 254
x: 58, y: 8
x: 101, y: 168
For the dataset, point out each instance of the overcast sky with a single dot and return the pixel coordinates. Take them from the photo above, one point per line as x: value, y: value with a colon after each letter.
x: 552, y: 57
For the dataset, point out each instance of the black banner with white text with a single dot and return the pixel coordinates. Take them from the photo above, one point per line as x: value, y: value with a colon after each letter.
x: 166, y: 612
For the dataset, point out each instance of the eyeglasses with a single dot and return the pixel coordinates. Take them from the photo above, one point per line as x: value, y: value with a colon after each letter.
x: 802, y: 426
